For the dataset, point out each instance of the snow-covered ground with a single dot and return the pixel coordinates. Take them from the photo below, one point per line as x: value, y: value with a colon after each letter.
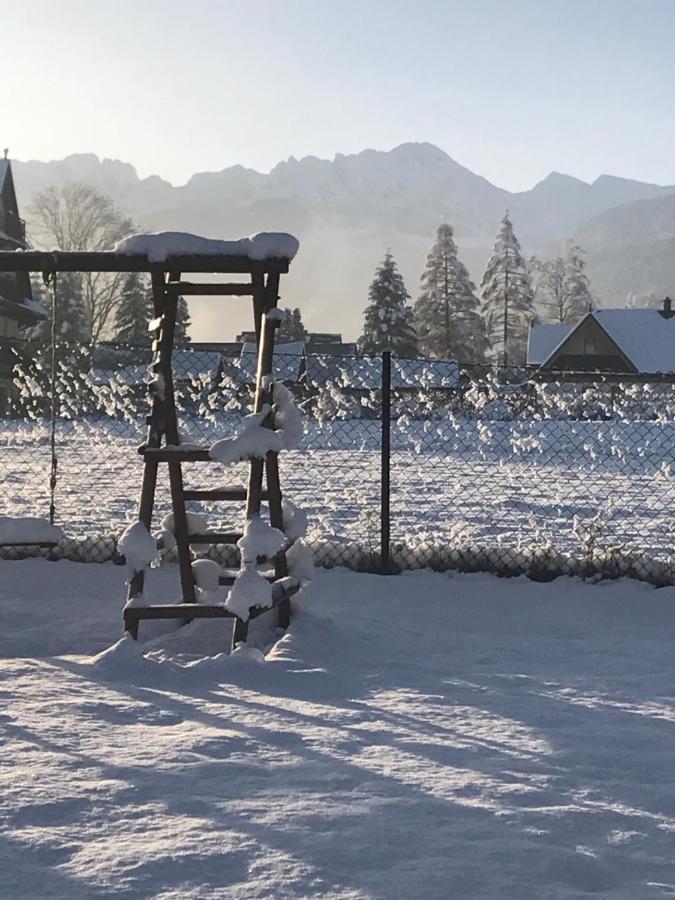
x: 422, y: 735
x: 498, y: 486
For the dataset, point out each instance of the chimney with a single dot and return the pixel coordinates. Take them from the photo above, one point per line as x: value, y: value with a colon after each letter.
x: 667, y: 311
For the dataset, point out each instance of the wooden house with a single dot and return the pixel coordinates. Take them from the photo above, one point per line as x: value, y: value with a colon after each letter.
x: 638, y: 342
x: 18, y: 310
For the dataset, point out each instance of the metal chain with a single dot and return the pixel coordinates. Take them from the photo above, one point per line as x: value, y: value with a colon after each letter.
x: 50, y: 278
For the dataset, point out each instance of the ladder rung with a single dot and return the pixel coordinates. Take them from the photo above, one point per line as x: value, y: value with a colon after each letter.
x: 219, y: 494
x: 281, y: 589
x: 230, y: 289
x: 215, y: 537
x: 229, y: 575
x: 178, y: 453
x: 177, y: 611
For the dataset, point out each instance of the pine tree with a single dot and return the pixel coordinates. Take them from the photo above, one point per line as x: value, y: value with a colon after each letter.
x: 578, y: 287
x: 508, y: 298
x: 134, y: 312
x: 71, y: 319
x: 447, y: 312
x: 291, y: 329
x: 562, y: 289
x: 181, y: 336
x: 388, y: 318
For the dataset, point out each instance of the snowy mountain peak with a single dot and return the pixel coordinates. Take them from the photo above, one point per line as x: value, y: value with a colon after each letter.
x: 559, y: 181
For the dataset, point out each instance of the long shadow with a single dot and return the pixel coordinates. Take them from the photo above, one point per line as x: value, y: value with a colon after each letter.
x: 565, y: 760
x: 368, y: 805
x: 214, y: 790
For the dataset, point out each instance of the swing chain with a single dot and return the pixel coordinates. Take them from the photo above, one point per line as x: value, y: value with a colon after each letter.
x: 50, y: 279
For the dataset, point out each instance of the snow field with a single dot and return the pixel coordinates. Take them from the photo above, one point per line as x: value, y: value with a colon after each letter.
x: 422, y: 735
x: 478, y: 492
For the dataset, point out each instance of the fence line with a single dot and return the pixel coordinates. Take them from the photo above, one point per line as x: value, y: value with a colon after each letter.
x: 404, y: 463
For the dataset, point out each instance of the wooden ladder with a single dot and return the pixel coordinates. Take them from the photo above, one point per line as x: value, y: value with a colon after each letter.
x: 163, y: 445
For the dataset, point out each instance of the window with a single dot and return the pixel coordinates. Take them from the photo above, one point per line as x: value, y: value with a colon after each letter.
x: 590, y: 348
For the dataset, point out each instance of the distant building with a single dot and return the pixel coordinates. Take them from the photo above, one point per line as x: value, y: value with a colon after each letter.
x: 631, y: 341
x: 18, y: 310
x: 316, y: 343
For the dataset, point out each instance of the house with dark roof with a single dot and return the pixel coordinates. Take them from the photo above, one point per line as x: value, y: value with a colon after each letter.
x: 17, y: 307
x: 18, y: 310
x: 630, y: 341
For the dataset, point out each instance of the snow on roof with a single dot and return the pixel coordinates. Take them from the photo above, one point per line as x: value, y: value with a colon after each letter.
x: 366, y: 373
x: 36, y: 308
x: 186, y: 364
x: 160, y: 245
x: 130, y: 375
x: 287, y: 361
x: 644, y: 335
x: 543, y: 340
x: 4, y: 236
x: 193, y: 363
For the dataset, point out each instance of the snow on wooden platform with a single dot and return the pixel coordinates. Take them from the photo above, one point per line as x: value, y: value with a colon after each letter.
x: 163, y: 244
x: 414, y: 736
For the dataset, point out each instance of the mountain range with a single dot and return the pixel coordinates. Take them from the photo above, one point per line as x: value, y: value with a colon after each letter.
x: 347, y: 212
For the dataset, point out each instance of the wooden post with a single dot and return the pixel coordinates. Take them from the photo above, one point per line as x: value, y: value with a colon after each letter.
x: 265, y: 336
x: 154, y: 438
x: 385, y: 486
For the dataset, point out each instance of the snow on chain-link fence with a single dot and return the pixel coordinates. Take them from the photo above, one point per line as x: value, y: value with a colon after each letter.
x: 414, y: 463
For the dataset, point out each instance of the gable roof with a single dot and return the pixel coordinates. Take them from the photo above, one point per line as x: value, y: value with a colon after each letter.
x: 643, y: 336
x: 542, y: 340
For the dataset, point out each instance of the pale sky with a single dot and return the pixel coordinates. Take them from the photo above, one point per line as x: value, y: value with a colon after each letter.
x: 512, y: 90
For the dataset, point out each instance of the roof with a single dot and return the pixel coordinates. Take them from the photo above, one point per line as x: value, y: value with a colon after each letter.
x: 24, y: 312
x: 543, y: 340
x: 193, y: 363
x: 287, y: 361
x: 186, y: 364
x: 644, y: 336
x: 4, y: 169
x: 366, y: 373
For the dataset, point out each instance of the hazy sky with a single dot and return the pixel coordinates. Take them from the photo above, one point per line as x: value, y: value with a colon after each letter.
x: 511, y: 89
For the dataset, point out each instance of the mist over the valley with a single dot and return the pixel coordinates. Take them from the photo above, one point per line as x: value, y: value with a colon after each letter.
x: 347, y: 212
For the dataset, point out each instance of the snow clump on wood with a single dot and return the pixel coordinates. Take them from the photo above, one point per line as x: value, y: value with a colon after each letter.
x: 138, y: 547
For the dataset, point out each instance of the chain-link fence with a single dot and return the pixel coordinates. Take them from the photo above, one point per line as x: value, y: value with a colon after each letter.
x: 414, y: 463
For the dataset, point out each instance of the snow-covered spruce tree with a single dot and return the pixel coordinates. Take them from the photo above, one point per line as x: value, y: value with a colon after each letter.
x: 134, y: 311
x: 181, y: 337
x: 507, y: 298
x: 577, y: 285
x: 562, y: 292
x: 447, y: 312
x: 388, y: 322
x: 291, y: 329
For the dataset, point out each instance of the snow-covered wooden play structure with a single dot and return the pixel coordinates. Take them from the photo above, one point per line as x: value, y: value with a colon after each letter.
x: 262, y: 581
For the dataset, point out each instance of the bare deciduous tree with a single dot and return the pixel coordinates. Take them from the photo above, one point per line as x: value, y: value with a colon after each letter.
x: 77, y: 217
x: 562, y: 290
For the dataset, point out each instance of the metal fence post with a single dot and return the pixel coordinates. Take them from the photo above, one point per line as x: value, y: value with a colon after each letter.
x: 385, y: 491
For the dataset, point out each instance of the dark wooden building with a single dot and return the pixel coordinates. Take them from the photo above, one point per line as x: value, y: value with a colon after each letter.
x: 637, y: 342
x: 18, y: 310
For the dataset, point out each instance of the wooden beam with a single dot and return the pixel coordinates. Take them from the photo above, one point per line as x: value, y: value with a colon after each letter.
x: 109, y: 261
